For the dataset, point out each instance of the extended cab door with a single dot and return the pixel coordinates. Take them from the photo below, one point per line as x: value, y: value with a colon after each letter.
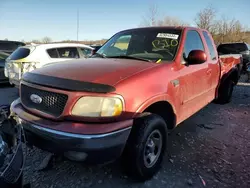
x: 194, y: 79
x: 213, y: 64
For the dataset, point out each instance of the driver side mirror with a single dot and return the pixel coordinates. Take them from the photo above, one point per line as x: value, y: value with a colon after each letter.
x: 196, y: 57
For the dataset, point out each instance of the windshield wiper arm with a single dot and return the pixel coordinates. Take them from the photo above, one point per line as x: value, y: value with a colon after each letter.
x: 129, y: 57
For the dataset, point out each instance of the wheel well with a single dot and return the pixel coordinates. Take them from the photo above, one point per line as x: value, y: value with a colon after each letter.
x: 165, y: 110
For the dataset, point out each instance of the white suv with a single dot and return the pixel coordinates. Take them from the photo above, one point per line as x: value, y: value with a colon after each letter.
x: 30, y: 57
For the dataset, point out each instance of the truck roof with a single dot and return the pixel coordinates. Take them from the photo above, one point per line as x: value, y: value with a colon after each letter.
x: 166, y: 27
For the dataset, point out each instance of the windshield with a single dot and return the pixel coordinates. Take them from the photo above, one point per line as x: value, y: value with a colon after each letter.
x: 146, y: 43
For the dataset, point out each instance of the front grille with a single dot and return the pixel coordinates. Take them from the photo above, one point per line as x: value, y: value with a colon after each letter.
x: 52, y: 103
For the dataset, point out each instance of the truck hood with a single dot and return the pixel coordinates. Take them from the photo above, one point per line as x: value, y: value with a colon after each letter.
x: 95, y: 70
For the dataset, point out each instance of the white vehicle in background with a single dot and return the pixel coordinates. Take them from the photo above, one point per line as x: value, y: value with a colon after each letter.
x: 33, y: 56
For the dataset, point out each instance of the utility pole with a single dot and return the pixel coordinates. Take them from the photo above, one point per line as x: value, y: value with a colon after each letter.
x: 77, y: 25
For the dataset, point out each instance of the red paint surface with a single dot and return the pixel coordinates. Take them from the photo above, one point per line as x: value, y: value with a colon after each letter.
x: 138, y: 84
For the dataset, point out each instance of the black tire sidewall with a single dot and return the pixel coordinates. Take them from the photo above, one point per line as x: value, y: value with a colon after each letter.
x: 225, y: 92
x: 228, y: 90
x: 141, y: 130
x: 154, y: 126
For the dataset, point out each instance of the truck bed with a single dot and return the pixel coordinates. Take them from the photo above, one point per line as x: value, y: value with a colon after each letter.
x: 229, y: 61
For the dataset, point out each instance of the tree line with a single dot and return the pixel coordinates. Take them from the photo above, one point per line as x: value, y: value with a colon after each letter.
x: 222, y: 29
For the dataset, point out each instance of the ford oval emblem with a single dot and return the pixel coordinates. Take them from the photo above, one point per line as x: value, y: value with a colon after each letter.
x: 36, y: 99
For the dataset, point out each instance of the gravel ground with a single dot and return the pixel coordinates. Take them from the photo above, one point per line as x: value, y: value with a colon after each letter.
x: 209, y: 149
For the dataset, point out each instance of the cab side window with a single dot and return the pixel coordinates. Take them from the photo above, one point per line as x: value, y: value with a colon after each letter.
x: 210, y: 46
x: 193, y: 42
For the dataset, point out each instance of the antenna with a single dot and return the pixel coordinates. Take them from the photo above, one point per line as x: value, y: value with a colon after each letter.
x: 77, y: 25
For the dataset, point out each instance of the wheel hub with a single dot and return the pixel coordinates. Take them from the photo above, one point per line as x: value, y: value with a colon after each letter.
x: 152, y: 148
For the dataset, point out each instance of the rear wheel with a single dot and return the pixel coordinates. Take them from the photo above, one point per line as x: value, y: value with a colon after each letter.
x: 225, y: 92
x: 145, y: 148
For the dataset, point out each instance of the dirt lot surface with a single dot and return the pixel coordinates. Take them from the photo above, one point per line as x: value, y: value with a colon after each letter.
x: 210, y: 149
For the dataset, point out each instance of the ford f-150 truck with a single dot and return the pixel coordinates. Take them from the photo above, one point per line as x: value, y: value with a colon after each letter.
x: 123, y: 100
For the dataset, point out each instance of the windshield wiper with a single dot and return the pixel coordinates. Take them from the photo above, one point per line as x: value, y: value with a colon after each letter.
x: 129, y: 57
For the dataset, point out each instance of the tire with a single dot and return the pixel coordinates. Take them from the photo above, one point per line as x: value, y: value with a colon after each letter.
x: 225, y: 92
x: 134, y: 159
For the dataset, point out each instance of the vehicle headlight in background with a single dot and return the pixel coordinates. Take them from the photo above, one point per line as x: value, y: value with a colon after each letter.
x: 6, y: 72
x: 98, y: 107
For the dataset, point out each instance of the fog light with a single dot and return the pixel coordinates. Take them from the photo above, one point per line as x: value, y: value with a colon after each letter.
x: 76, y: 156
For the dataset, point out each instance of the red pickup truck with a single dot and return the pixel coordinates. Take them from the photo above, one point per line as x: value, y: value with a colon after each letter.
x: 122, y: 101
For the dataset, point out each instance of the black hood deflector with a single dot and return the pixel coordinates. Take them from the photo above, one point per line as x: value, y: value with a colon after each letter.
x: 66, y: 84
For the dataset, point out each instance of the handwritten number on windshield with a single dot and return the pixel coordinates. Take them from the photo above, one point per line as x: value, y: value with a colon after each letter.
x: 164, y: 43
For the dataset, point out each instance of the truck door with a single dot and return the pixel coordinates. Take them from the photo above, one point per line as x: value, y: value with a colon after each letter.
x: 213, y: 65
x: 193, y: 78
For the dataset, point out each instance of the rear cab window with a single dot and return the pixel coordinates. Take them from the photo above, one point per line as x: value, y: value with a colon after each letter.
x: 210, y: 45
x: 248, y: 46
x: 20, y: 53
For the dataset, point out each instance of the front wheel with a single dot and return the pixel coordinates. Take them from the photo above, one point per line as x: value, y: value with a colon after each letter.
x: 144, y: 151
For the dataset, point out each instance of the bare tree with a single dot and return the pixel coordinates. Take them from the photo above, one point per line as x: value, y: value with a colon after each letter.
x: 35, y: 41
x: 151, y: 17
x: 171, y: 21
x: 229, y: 30
x: 224, y: 29
x: 205, y: 19
x: 46, y: 40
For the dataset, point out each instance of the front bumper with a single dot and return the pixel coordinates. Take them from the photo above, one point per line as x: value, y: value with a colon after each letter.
x: 92, y: 148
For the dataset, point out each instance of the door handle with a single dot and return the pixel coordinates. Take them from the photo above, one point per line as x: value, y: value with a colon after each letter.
x: 209, y: 72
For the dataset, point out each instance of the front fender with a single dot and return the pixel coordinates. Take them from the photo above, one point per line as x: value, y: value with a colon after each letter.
x: 154, y: 99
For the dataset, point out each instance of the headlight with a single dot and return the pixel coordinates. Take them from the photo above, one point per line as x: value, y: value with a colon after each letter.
x: 98, y: 107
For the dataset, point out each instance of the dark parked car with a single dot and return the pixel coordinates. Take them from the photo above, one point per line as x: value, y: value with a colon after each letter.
x: 3, y: 56
x: 236, y: 48
x: 9, y: 46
